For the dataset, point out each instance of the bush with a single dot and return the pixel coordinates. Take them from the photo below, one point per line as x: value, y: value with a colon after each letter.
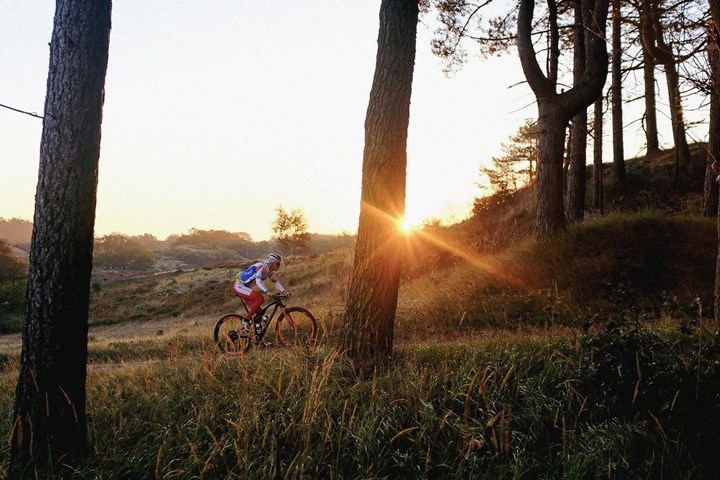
x: 123, y: 253
x: 13, y: 274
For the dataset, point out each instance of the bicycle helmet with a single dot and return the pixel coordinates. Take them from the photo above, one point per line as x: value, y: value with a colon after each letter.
x: 274, y: 257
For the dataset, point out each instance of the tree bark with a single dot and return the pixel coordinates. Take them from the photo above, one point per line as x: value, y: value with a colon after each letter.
x: 682, y: 149
x: 714, y: 143
x: 650, y: 116
x: 370, y: 310
x: 646, y: 35
x: 555, y: 110
x: 577, y: 169
x: 617, y: 110
x: 661, y: 53
x: 598, y: 190
x: 50, y: 428
x: 550, y: 215
x: 710, y: 188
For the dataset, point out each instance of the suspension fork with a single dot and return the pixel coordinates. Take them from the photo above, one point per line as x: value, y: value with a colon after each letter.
x: 287, y: 316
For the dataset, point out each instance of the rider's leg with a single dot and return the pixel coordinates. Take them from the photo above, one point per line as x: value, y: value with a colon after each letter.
x: 251, y: 297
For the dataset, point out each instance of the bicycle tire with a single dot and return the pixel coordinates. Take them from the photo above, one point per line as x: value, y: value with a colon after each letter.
x: 296, y: 327
x: 230, y: 335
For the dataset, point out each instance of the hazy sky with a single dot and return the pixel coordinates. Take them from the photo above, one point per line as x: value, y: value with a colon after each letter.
x: 218, y: 111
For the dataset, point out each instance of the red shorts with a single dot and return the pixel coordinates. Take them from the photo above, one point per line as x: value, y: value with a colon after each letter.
x: 251, y: 297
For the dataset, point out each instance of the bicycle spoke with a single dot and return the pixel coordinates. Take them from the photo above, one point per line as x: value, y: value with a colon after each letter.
x: 231, y: 334
x: 296, y: 327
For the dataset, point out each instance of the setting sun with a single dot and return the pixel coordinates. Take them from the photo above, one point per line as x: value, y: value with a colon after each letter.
x: 405, y: 226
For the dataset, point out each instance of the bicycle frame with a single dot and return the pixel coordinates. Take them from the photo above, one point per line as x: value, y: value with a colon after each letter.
x: 276, y: 304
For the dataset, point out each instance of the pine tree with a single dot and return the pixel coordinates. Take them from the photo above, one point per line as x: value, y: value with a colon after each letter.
x: 372, y: 299
x: 50, y: 426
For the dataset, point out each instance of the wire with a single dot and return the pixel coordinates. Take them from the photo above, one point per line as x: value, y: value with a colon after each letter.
x: 32, y: 114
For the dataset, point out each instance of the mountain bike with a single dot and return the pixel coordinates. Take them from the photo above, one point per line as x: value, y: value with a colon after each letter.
x: 295, y: 326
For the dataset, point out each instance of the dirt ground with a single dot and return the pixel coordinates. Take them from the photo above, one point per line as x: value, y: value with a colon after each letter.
x: 128, y: 331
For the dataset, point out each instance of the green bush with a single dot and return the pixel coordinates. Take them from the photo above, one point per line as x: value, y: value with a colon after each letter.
x: 121, y: 252
x: 13, y: 278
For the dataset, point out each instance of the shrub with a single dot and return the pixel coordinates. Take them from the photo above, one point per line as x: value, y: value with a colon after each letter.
x: 13, y: 275
x: 123, y: 253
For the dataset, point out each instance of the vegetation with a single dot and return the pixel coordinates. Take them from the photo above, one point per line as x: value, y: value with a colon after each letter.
x: 13, y: 278
x: 122, y: 253
x: 291, y: 230
x: 50, y: 397
x: 200, y: 248
x: 516, y: 167
x: 612, y: 368
x: 621, y: 404
x: 16, y: 231
x: 587, y: 356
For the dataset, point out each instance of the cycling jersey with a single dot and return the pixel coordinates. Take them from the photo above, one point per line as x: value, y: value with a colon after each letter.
x: 258, y: 272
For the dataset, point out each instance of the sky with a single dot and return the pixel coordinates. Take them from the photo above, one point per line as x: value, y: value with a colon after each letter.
x: 217, y: 112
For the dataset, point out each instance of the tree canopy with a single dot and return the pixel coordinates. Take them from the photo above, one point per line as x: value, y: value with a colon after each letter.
x: 290, y: 229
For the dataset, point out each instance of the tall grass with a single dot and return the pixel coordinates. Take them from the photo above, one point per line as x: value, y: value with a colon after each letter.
x: 490, y: 378
x: 617, y: 405
x: 651, y: 265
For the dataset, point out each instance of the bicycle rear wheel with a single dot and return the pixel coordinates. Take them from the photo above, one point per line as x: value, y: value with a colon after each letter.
x: 231, y: 334
x: 297, y: 327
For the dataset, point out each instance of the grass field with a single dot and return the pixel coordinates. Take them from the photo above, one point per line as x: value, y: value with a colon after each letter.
x: 625, y: 404
x: 525, y: 364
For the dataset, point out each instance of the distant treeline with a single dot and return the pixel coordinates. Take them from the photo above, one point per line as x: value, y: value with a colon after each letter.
x: 16, y: 231
x: 196, y: 248
x: 13, y: 273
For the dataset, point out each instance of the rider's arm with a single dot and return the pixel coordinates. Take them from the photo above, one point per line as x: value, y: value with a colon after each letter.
x: 277, y: 284
x: 261, y: 285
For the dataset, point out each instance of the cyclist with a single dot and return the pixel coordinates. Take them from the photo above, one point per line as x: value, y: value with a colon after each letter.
x: 257, y: 273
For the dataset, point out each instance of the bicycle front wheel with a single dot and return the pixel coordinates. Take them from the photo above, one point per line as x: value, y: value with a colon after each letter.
x: 297, y: 327
x: 231, y: 334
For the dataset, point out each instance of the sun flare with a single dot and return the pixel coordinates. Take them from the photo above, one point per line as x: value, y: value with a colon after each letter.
x: 407, y: 226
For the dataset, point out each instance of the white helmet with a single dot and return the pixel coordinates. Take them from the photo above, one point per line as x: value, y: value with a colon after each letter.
x: 274, y: 257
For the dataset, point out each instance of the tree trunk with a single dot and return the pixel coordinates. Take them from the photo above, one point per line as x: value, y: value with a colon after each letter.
x: 714, y: 144
x: 577, y: 170
x: 710, y: 188
x: 617, y: 110
x: 370, y: 310
x: 50, y: 429
x: 682, y: 150
x: 651, y: 129
x: 555, y: 110
x: 647, y: 35
x: 663, y: 53
x: 653, y: 40
x: 598, y: 191
x: 550, y: 214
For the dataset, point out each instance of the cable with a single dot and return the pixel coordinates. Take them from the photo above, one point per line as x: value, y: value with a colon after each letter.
x: 32, y: 114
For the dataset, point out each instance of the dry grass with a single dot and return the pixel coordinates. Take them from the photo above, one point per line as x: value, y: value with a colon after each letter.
x: 512, y: 404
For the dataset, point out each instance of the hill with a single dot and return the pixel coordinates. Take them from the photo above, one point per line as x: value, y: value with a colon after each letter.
x: 651, y: 253
x: 621, y: 268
